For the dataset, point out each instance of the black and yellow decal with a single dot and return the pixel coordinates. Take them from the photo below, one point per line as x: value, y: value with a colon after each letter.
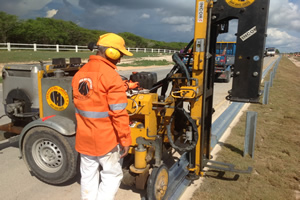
x: 57, y: 98
x: 239, y: 3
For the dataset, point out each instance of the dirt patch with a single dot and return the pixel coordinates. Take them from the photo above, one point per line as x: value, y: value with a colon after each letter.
x: 296, y: 62
x: 163, y: 57
x: 131, y: 60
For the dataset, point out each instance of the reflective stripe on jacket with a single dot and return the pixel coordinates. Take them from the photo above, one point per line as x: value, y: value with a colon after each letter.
x: 100, y: 101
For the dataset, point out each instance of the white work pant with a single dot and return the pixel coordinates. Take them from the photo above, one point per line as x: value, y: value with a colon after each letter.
x: 111, y: 175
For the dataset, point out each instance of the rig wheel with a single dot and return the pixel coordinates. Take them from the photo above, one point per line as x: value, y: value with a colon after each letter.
x: 50, y: 156
x: 157, y: 183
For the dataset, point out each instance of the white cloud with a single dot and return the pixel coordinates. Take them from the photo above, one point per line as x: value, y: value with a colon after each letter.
x: 105, y: 11
x: 158, y: 9
x: 284, y: 25
x: 284, y: 14
x: 177, y: 20
x: 74, y: 2
x: 22, y: 7
x: 145, y: 16
x: 179, y: 23
x: 282, y: 40
x: 51, y: 13
x: 183, y: 28
x: 167, y: 15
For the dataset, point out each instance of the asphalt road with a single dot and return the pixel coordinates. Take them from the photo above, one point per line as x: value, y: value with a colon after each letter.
x: 17, y: 182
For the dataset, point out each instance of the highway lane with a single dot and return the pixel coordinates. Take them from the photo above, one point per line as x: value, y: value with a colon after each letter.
x: 17, y: 183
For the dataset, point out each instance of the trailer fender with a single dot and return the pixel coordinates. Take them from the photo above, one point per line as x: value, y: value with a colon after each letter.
x: 62, y: 125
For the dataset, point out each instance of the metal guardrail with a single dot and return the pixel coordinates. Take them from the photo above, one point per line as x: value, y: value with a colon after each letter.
x: 218, y: 128
x: 57, y: 47
x: 269, y: 83
x: 221, y: 124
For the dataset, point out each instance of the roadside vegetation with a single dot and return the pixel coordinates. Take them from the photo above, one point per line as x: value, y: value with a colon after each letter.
x: 54, y: 31
x: 276, y: 161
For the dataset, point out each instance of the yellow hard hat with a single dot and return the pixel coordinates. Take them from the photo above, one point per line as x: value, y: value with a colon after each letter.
x: 115, y: 41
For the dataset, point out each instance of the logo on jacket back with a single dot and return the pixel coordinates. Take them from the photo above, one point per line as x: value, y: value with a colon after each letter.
x: 85, y: 85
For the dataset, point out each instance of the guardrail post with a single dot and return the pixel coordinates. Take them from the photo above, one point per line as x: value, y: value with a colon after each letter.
x: 8, y: 46
x: 152, y: 50
x: 266, y: 92
x: 271, y: 78
x: 136, y: 49
x: 275, y: 68
x: 57, y: 48
x: 250, y: 133
x: 145, y: 50
x: 76, y: 48
x: 34, y: 47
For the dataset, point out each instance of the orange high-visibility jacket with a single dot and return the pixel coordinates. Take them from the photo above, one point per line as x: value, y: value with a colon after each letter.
x: 100, y: 101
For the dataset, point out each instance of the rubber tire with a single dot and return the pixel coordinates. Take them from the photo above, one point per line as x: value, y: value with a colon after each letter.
x: 63, y: 145
x: 152, y: 181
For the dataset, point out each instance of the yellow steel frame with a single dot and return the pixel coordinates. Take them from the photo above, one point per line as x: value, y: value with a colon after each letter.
x: 39, y: 77
x: 147, y: 120
x: 200, y: 42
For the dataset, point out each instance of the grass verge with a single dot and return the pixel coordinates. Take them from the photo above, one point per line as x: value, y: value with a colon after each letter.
x: 276, y: 172
x: 146, y: 63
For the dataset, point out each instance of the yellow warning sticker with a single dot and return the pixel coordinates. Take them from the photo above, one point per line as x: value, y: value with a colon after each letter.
x: 239, y: 3
x: 57, y: 98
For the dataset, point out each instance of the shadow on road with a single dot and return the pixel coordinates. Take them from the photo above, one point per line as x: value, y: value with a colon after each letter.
x: 8, y: 140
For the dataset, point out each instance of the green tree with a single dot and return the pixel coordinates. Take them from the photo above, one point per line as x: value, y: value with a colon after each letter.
x: 7, y: 23
x: 55, y: 31
x: 133, y: 40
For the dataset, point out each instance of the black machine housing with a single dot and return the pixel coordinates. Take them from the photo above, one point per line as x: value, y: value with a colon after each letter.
x: 250, y: 42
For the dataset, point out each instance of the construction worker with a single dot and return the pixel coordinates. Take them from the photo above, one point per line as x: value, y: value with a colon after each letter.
x: 103, y: 133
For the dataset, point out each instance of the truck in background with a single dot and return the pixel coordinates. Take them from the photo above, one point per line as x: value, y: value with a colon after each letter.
x: 224, y: 61
x: 270, y: 51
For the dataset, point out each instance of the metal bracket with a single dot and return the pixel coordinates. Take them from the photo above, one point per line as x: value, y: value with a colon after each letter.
x: 226, y: 167
x: 200, y: 45
x: 156, y: 144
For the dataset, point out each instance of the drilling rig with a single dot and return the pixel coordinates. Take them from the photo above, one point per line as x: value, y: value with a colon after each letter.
x: 166, y: 116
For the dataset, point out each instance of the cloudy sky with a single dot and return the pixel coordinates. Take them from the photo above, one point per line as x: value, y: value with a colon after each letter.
x: 164, y: 20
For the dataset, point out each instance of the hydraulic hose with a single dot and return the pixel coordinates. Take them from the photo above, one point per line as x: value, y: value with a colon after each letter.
x: 194, y: 131
x: 182, y: 66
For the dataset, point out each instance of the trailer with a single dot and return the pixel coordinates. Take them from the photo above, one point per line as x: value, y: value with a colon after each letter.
x: 224, y: 63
